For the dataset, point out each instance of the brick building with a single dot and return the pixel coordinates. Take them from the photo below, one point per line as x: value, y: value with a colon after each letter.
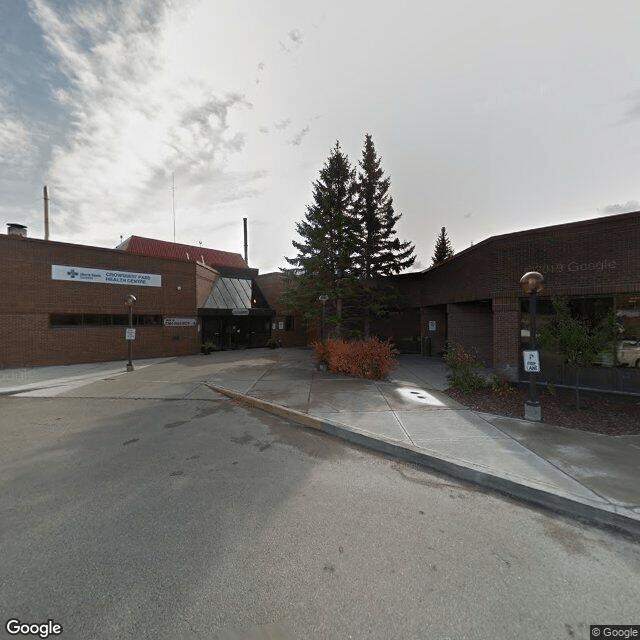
x: 63, y: 303
x: 288, y: 329
x: 232, y: 309
x: 475, y: 299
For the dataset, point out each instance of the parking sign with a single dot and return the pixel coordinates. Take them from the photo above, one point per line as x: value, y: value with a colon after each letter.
x: 531, y: 361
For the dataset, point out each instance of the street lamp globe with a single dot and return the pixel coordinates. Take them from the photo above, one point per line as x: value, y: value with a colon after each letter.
x: 532, y: 282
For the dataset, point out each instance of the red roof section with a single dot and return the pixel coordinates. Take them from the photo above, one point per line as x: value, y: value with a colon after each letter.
x: 161, y: 249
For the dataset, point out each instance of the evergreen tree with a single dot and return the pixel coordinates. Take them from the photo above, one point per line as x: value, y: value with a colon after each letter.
x: 443, y: 250
x: 324, y: 264
x: 378, y: 251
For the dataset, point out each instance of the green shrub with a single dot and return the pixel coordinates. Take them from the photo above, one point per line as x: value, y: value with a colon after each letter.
x: 464, y: 366
x: 502, y: 386
x: 373, y: 358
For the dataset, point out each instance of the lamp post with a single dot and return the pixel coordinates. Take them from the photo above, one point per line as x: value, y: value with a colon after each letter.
x: 532, y: 285
x: 323, y: 298
x: 128, y: 301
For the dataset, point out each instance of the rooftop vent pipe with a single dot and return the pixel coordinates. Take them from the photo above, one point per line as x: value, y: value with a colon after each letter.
x: 246, y: 245
x: 14, y: 229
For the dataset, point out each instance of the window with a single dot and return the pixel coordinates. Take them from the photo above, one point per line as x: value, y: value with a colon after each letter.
x: 103, y: 320
x: 623, y: 350
x: 230, y: 293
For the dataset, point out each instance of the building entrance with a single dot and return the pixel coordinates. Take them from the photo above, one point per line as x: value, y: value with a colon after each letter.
x: 236, y: 332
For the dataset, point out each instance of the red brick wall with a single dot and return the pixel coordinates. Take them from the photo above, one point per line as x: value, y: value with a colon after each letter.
x: 590, y: 257
x: 205, y: 279
x: 506, y: 336
x: 272, y: 286
x: 29, y: 295
x: 471, y: 325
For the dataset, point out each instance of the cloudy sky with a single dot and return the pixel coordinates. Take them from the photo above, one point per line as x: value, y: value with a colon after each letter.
x: 490, y: 117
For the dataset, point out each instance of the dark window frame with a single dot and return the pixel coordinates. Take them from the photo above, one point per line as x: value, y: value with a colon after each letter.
x: 102, y: 320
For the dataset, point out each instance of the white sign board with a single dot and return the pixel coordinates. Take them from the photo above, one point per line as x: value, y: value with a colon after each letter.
x: 432, y: 325
x: 239, y: 312
x: 531, y: 361
x: 130, y: 334
x: 179, y: 322
x: 103, y: 276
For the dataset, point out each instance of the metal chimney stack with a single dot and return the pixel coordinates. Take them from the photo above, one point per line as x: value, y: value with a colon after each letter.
x: 46, y: 213
x: 246, y: 246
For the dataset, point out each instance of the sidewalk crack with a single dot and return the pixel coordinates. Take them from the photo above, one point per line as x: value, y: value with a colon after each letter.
x: 380, y: 391
x: 555, y: 466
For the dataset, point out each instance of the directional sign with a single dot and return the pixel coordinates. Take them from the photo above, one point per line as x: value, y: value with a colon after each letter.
x: 531, y: 361
x: 179, y: 322
x: 130, y: 334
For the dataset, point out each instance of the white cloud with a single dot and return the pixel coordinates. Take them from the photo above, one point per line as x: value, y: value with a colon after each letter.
x: 15, y: 141
x: 17, y: 148
x: 283, y: 124
x: 295, y: 35
x: 612, y: 209
x: 297, y: 139
x: 137, y: 117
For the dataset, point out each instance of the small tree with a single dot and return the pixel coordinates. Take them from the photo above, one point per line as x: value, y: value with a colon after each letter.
x: 443, y: 250
x: 577, y: 340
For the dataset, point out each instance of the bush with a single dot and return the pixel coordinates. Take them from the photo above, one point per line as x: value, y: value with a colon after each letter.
x: 502, y: 386
x: 464, y: 365
x: 373, y: 358
x: 321, y: 353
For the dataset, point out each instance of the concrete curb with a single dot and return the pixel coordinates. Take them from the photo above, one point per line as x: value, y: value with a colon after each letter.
x: 601, y: 515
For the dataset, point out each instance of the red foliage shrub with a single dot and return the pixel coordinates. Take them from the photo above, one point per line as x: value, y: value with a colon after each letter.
x: 373, y: 359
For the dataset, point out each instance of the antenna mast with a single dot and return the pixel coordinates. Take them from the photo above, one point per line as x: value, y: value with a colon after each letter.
x: 173, y: 203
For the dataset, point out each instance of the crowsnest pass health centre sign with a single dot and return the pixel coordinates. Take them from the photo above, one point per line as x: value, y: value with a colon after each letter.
x: 102, y: 276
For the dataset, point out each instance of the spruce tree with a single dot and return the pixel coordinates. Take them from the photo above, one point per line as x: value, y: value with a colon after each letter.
x: 379, y: 252
x: 324, y: 263
x: 443, y: 250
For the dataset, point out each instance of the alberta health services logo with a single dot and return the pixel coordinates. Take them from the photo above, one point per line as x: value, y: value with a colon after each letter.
x: 46, y: 629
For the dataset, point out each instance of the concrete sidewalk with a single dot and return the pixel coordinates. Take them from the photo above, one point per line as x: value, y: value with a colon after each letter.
x: 576, y: 473
x: 41, y: 380
x: 572, y: 472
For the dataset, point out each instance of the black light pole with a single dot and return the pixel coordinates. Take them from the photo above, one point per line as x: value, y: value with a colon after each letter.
x: 129, y: 300
x: 323, y: 298
x: 532, y: 284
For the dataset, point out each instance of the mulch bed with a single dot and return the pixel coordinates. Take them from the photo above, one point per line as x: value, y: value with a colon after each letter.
x: 599, y: 413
